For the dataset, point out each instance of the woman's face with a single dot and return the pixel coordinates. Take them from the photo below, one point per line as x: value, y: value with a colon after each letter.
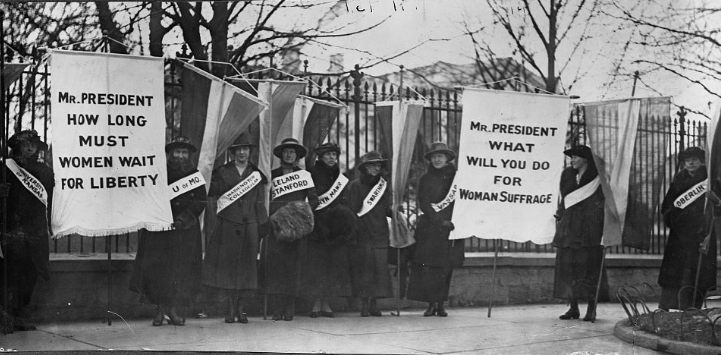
x: 242, y: 154
x: 692, y: 164
x: 439, y: 160
x: 28, y: 149
x: 330, y: 158
x: 578, y: 162
x: 288, y: 155
x: 373, y: 169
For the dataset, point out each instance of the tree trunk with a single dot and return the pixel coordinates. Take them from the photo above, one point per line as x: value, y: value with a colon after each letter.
x: 105, y: 18
x: 218, y: 27
x: 551, y: 48
x: 157, y: 32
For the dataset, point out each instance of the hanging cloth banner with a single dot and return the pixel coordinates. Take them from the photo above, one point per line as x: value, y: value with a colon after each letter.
x: 238, y: 190
x: 188, y: 183
x: 329, y: 196
x: 29, y: 181
x: 450, y: 197
x: 581, y: 193
x: 295, y: 181
x: 691, y: 195
x: 509, y: 165
x: 108, y: 121
x: 373, y: 197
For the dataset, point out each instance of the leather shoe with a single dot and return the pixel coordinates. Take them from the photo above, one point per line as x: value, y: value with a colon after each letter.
x: 174, y: 319
x: 430, y: 311
x: 571, y: 314
x: 365, y: 314
x: 327, y: 314
x: 376, y: 313
x: 243, y: 318
x: 314, y: 314
x: 288, y: 317
x: 277, y: 316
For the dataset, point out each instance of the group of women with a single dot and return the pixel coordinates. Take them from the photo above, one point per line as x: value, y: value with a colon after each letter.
x: 321, y: 237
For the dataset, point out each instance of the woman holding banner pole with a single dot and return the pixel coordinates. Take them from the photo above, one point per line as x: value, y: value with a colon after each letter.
x: 579, y: 230
x: 231, y: 257
x: 370, y: 198
x: 684, y: 214
x: 435, y: 256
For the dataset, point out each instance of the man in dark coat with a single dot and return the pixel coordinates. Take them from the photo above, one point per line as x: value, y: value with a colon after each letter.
x: 231, y: 258
x: 579, y: 253
x: 168, y: 263
x: 689, y: 227
x: 434, y: 255
x: 370, y: 198
x: 25, y: 247
x: 282, y: 259
x: 326, y: 270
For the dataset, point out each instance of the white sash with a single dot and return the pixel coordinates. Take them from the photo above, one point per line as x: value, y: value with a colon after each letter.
x: 329, y: 196
x: 373, y: 197
x: 186, y: 184
x: 238, y: 191
x: 30, y: 182
x: 295, y: 181
x: 581, y: 193
x: 690, y: 195
x: 450, y: 197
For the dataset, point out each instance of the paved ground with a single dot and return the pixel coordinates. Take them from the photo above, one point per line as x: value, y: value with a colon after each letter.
x: 533, y: 329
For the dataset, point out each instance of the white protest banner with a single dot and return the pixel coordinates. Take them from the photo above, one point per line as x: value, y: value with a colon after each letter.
x: 509, y: 165
x: 108, y: 129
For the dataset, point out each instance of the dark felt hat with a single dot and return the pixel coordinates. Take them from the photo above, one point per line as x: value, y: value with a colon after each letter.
x: 373, y: 156
x: 300, y: 150
x: 582, y: 151
x: 180, y: 142
x: 327, y: 147
x: 693, y: 152
x: 440, y: 147
x: 243, y: 140
x: 29, y: 135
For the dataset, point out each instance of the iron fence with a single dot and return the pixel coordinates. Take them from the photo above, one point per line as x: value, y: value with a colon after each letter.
x: 27, y: 105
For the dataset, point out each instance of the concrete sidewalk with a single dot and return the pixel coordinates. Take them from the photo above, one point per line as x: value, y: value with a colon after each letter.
x: 531, y: 329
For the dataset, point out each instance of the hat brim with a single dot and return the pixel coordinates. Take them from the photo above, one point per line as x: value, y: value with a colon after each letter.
x: 322, y: 150
x: 300, y: 150
x: 382, y: 161
x: 14, y: 143
x: 449, y: 153
x: 170, y: 146
x: 241, y: 145
x: 578, y: 152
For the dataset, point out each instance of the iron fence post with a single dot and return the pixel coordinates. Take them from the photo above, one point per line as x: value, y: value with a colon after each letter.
x: 681, y: 128
x: 357, y: 76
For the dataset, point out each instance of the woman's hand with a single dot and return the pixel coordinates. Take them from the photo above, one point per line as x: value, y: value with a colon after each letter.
x: 448, y: 225
x: 711, y: 196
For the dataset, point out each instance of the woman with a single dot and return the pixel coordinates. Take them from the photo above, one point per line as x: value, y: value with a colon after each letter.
x: 370, y: 198
x: 684, y: 215
x: 232, y: 252
x: 578, y: 235
x: 282, y: 258
x: 435, y: 256
x: 326, y: 271
x: 167, y: 268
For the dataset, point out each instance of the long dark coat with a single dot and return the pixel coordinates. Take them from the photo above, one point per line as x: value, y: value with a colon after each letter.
x: 282, y: 261
x: 168, y: 264
x: 434, y: 255
x: 231, y: 256
x: 26, y: 246
x: 370, y: 275
x: 688, y: 228
x: 578, y: 239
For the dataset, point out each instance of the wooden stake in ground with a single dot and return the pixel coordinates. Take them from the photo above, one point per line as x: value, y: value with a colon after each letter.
x: 493, y: 278
x: 600, y: 277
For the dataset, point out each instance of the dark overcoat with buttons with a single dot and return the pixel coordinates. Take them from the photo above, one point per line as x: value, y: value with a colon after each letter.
x: 231, y: 256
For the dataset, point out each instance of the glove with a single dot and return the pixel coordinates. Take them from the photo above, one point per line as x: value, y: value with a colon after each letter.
x: 448, y: 225
x: 178, y: 224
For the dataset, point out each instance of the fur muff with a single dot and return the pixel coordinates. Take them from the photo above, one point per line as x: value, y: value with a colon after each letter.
x: 340, y: 221
x: 292, y: 221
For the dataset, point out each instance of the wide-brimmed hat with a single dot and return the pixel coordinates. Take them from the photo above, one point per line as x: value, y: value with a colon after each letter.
x: 440, y: 147
x: 582, y: 151
x: 373, y: 156
x: 300, y: 150
x: 243, y: 140
x: 180, y: 142
x: 327, y: 147
x: 693, y: 152
x: 29, y: 135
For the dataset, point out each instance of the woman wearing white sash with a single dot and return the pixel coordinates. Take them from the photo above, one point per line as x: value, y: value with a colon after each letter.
x: 326, y: 271
x: 231, y: 256
x: 683, y: 212
x: 370, y: 198
x: 435, y: 256
x: 578, y: 235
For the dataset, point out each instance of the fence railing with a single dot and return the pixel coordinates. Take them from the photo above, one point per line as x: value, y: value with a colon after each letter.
x: 27, y: 106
